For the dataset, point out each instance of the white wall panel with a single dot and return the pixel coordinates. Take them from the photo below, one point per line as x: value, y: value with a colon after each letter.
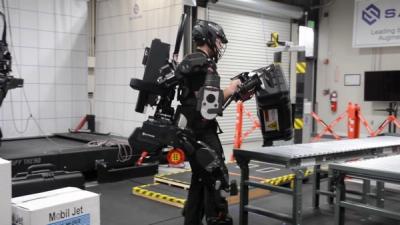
x: 247, y: 34
x: 48, y: 43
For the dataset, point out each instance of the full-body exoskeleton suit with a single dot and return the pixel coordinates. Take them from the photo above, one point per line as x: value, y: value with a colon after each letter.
x: 201, y: 101
x: 192, y: 127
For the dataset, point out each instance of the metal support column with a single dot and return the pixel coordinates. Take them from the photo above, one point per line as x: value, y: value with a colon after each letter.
x: 301, y: 67
x: 244, y: 192
x: 340, y: 196
x: 316, y: 186
x: 297, y: 197
x: 331, y: 187
x: 380, y: 194
x: 366, y: 190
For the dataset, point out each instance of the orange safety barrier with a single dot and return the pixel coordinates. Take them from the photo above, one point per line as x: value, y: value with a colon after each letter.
x: 353, y: 123
x: 389, y: 119
x: 354, y: 118
x: 365, y: 123
x: 327, y: 128
x: 239, y: 135
x: 239, y: 125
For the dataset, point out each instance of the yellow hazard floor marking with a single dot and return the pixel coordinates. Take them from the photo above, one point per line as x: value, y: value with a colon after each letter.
x: 180, y: 202
x: 157, y: 196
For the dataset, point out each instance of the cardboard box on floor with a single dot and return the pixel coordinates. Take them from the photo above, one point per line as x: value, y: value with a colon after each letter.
x: 58, y: 207
x: 5, y: 192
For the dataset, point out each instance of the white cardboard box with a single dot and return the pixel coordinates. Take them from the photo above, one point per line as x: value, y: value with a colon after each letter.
x: 58, y: 207
x: 5, y: 192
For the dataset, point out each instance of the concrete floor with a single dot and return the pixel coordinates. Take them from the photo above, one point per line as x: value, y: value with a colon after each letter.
x: 120, y: 207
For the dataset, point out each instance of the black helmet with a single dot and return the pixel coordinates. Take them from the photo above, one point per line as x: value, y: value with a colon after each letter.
x: 207, y: 32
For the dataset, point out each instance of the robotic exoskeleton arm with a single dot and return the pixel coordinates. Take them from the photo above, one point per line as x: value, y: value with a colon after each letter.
x: 7, y: 82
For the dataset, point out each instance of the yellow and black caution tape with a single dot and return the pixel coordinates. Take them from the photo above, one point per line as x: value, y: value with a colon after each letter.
x: 298, y: 123
x: 156, y: 196
x: 301, y: 67
x: 278, y: 181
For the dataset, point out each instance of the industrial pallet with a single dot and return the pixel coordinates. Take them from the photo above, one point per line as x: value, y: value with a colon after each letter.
x: 259, y: 172
x: 172, y: 188
x: 176, y: 196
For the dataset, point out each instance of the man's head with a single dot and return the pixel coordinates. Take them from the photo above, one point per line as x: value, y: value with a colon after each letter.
x: 211, y: 36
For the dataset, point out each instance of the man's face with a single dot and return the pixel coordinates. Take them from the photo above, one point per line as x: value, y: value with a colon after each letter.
x: 219, y: 43
x: 220, y: 48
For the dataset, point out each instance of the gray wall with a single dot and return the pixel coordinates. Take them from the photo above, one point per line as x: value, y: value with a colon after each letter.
x: 335, y: 44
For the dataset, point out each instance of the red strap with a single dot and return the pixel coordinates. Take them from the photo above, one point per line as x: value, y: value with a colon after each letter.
x: 142, y: 156
x: 80, y: 124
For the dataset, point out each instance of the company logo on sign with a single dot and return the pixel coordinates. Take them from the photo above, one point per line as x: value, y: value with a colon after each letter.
x: 371, y: 14
x: 376, y: 23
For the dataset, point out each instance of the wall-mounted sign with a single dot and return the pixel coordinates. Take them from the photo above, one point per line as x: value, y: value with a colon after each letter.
x: 352, y: 79
x: 376, y: 23
x: 306, y: 39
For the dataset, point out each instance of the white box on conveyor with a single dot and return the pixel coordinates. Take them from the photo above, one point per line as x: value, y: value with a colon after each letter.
x: 5, y: 192
x: 58, y: 207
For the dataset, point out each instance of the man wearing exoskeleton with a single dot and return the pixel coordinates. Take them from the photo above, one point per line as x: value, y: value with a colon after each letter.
x: 201, y: 101
x: 192, y: 126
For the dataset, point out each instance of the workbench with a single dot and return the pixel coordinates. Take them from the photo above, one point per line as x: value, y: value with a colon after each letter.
x: 298, y: 158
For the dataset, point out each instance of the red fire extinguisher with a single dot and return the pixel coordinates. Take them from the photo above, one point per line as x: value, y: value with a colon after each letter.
x: 333, y: 99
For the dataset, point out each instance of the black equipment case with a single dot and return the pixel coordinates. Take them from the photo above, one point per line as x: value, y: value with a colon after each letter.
x: 274, y: 108
x: 43, y: 177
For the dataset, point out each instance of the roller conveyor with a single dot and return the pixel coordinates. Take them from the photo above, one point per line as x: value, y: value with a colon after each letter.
x: 383, y: 169
x: 300, y: 156
x: 310, y: 154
